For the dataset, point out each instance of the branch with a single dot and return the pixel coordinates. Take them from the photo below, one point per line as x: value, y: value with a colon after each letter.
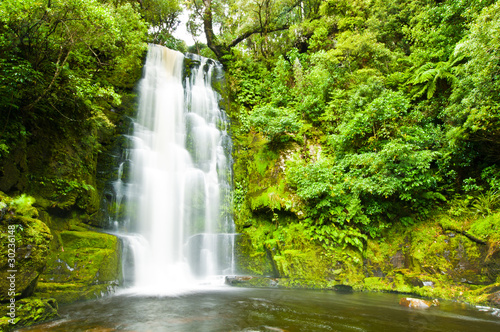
x: 247, y: 34
x: 467, y: 235
x: 209, y: 30
x: 56, y: 74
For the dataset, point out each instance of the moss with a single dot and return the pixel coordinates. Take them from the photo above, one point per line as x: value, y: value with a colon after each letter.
x: 82, y: 264
x: 252, y: 261
x: 29, y: 311
x: 71, y: 292
x: 488, y: 229
x: 31, y: 238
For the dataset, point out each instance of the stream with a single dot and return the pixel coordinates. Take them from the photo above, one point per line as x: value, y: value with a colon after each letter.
x: 226, y: 308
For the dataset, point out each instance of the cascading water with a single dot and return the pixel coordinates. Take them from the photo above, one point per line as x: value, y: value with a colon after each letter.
x: 180, y: 178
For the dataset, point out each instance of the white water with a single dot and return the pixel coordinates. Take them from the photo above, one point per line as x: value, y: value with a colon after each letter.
x: 179, y: 179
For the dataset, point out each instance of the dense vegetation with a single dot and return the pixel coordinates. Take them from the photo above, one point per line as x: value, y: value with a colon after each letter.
x: 356, y: 124
x: 381, y: 111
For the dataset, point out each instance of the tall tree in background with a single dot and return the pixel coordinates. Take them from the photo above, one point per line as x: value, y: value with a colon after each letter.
x: 236, y: 21
x: 162, y: 17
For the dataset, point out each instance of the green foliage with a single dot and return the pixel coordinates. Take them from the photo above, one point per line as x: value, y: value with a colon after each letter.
x: 279, y: 125
x: 427, y: 77
x: 486, y: 203
x: 61, y: 188
x: 67, y: 59
x: 473, y: 112
x: 397, y: 106
x: 248, y: 81
x: 162, y: 17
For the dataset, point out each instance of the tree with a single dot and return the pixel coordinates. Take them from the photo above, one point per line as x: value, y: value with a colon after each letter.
x: 69, y: 48
x: 238, y: 20
x: 68, y: 59
x: 162, y: 17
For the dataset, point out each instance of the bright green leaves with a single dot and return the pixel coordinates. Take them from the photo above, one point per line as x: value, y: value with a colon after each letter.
x: 279, y: 125
x: 249, y: 81
x: 335, y: 213
x: 474, y: 111
x: 428, y: 76
x: 384, y: 152
x: 330, y: 236
x: 379, y: 121
x: 356, y: 50
x: 311, y: 90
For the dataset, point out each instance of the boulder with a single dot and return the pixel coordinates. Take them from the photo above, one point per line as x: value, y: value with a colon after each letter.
x: 24, y: 247
x: 29, y: 311
x: 494, y: 299
x: 86, y: 265
x: 417, y: 303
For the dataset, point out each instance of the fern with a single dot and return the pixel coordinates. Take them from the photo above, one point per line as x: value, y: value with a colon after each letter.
x: 426, y: 77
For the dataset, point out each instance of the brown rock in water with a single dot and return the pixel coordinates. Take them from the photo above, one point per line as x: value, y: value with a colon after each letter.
x: 417, y: 303
x: 494, y: 299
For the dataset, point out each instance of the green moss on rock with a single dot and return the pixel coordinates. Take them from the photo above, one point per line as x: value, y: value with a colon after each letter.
x: 29, y: 311
x: 83, y: 265
x: 31, y: 239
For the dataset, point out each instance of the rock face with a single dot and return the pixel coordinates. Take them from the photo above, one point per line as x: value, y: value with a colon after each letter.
x: 417, y: 303
x: 24, y: 247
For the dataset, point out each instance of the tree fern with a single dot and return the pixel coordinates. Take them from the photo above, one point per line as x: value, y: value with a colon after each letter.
x: 426, y: 77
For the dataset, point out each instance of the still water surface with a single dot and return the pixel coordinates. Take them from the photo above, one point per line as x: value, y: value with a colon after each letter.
x: 240, y: 309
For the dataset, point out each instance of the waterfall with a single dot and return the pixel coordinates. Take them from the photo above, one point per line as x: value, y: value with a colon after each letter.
x: 180, y: 230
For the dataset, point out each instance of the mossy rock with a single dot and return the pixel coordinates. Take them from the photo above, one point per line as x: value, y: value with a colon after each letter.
x: 31, y: 238
x: 28, y: 311
x: 82, y: 265
x: 251, y: 261
x: 66, y: 293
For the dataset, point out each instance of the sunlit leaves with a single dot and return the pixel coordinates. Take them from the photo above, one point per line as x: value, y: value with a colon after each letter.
x: 162, y: 17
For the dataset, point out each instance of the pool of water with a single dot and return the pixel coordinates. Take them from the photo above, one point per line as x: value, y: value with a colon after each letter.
x: 241, y: 309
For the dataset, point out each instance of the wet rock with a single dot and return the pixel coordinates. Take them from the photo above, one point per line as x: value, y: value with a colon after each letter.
x: 377, y: 272
x: 428, y: 283
x: 86, y: 265
x: 343, y: 288
x: 398, y: 260
x: 235, y: 280
x: 416, y: 282
x: 417, y: 303
x: 251, y: 281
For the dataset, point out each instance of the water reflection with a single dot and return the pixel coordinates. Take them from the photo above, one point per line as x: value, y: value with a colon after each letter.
x: 235, y: 309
